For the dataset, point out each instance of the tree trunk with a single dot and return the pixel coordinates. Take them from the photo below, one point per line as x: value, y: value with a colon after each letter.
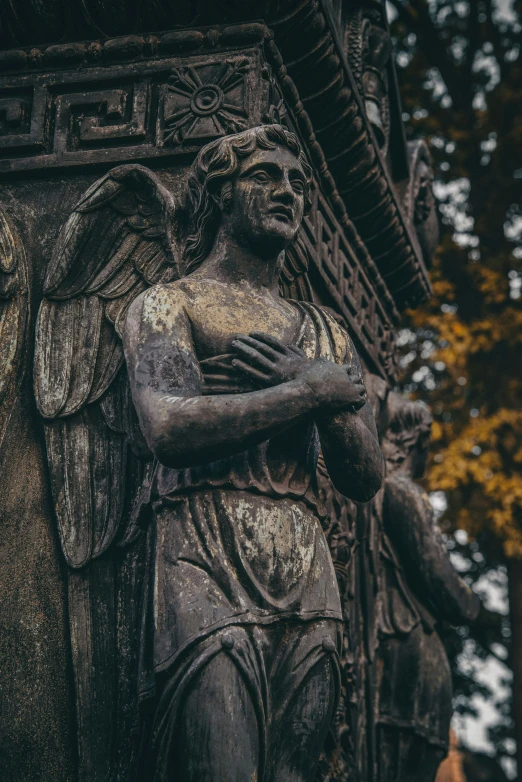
x: 515, y: 602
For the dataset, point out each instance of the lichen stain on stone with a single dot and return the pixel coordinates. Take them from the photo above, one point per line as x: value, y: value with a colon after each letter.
x: 280, y: 537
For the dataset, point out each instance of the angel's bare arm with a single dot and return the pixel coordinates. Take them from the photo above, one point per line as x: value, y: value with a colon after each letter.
x: 351, y: 452
x: 351, y: 448
x: 184, y: 428
x: 410, y: 523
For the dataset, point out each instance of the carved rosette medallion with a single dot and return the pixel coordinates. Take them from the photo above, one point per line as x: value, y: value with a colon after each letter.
x: 206, y: 100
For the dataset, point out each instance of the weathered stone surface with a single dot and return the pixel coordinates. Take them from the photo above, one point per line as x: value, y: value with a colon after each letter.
x: 37, y: 737
x: 37, y: 711
x: 103, y: 109
x: 417, y: 588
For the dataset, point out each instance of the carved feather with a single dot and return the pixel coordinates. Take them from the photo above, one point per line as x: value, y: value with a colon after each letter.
x: 117, y: 242
x: 14, y: 311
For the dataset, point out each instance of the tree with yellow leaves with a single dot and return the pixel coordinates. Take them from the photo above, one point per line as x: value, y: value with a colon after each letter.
x: 460, y: 71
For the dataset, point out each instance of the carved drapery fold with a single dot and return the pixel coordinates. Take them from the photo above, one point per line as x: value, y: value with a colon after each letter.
x: 13, y: 317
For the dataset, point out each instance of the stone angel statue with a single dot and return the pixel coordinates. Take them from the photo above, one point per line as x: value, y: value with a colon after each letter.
x: 419, y: 589
x: 185, y: 402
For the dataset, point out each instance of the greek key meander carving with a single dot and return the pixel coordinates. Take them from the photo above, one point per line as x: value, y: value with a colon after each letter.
x: 121, y: 113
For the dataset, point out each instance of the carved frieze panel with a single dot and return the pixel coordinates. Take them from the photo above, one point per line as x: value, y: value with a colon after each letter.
x: 129, y: 111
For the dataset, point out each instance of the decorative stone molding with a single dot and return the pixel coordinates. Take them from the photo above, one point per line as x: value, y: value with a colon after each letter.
x: 133, y: 48
x: 350, y: 283
x: 308, y: 54
x: 154, y: 107
x: 205, y: 99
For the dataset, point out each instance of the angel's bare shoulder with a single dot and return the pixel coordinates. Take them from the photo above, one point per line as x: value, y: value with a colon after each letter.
x: 158, y: 309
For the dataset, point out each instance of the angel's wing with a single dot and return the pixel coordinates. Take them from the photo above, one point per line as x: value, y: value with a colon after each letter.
x: 13, y: 317
x: 118, y: 241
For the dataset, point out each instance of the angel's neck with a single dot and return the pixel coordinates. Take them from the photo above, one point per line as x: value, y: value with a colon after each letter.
x: 232, y: 263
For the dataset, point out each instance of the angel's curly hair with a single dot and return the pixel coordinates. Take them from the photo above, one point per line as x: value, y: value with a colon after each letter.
x: 212, y: 173
x: 409, y: 423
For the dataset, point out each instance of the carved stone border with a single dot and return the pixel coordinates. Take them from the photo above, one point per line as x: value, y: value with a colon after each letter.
x: 350, y: 279
x: 129, y: 48
x: 155, y: 107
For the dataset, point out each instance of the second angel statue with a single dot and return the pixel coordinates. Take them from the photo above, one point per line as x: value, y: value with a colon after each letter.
x: 192, y: 531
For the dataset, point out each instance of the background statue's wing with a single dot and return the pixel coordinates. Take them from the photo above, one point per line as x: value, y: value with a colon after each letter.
x: 116, y: 243
x: 13, y: 317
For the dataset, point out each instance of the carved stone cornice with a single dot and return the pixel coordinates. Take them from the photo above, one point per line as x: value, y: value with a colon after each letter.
x: 328, y: 93
x: 128, y: 48
x: 304, y: 51
x: 34, y: 22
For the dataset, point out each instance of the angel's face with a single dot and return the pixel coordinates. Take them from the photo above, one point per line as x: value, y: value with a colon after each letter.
x: 268, y: 199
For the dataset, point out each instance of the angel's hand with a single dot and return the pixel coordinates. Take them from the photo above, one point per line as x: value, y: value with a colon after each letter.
x: 270, y: 362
